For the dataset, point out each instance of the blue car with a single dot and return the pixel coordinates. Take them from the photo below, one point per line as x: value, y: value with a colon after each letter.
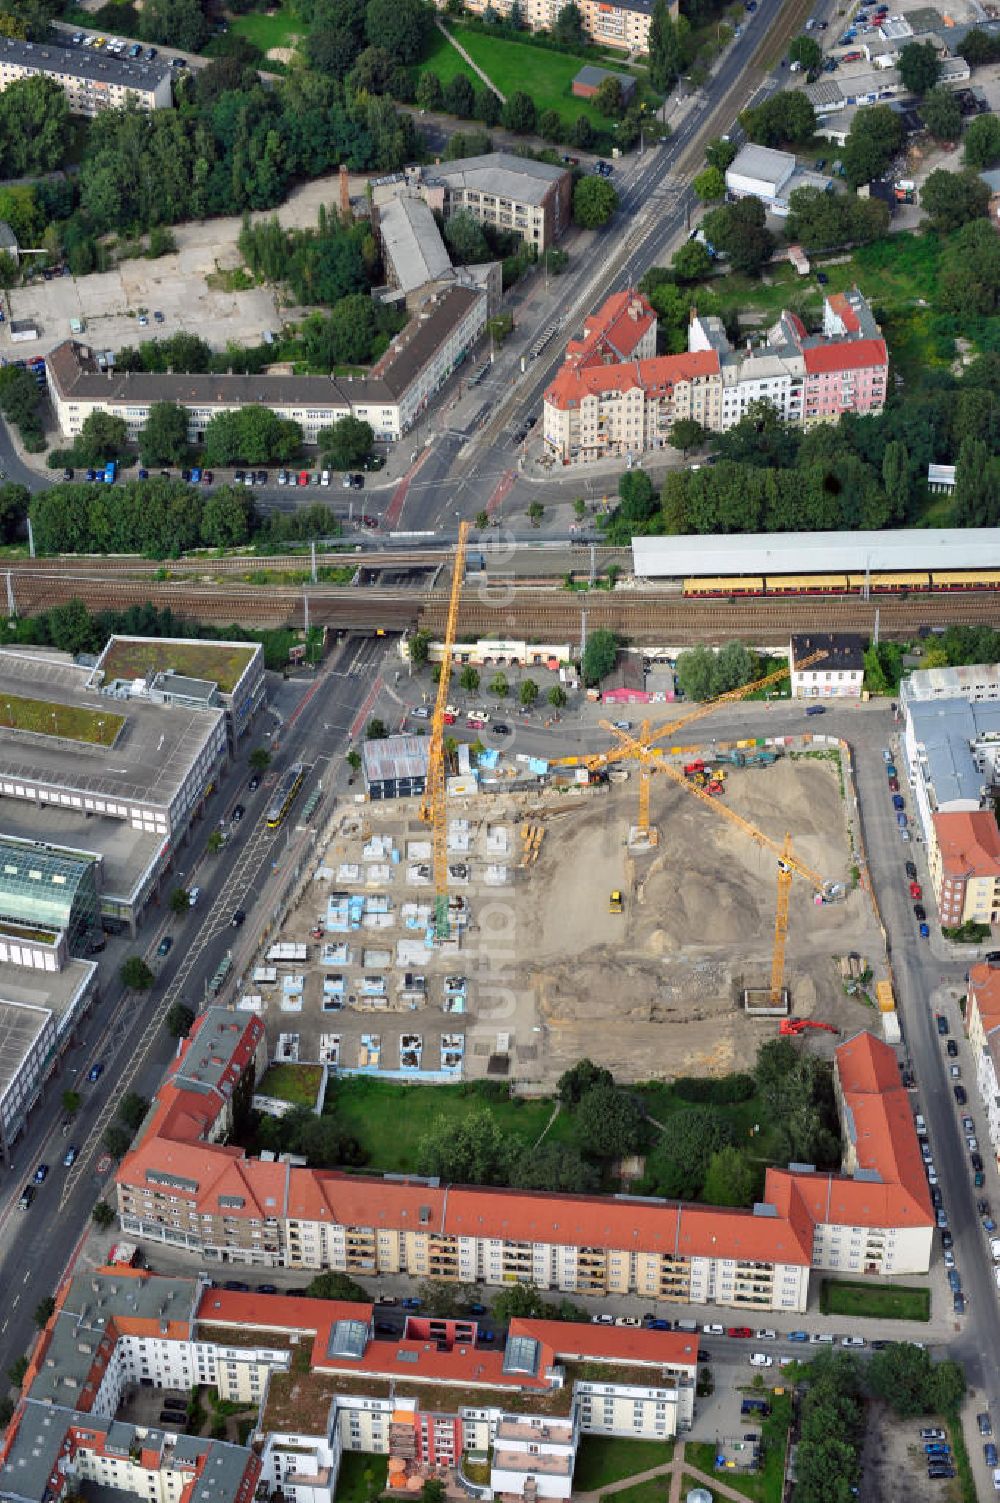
x: 798, y: 1335
x: 925, y: 932
x: 410, y: 1304
x: 195, y: 477
x: 658, y: 1325
x: 937, y: 1448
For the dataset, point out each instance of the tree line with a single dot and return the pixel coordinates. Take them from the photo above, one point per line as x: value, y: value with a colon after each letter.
x: 161, y: 518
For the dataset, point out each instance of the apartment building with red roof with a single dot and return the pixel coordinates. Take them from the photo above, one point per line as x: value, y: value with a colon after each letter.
x: 232, y: 1209
x: 598, y: 406
x: 964, y: 862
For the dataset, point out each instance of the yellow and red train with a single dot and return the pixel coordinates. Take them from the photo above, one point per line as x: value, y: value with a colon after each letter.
x: 922, y: 582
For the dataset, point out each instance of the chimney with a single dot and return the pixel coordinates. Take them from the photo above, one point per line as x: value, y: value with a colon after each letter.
x: 345, y: 192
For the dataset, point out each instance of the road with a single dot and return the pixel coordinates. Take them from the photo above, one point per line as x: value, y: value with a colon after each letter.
x: 125, y: 1031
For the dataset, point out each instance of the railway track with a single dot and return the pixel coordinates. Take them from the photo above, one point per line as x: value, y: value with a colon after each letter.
x: 495, y: 607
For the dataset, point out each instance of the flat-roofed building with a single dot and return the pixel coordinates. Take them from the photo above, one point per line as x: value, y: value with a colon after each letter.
x: 390, y: 398
x: 190, y: 672
x: 982, y: 1023
x: 952, y: 751
x: 615, y: 23
x: 395, y: 767
x: 39, y: 1011
x: 93, y: 81
x: 971, y: 681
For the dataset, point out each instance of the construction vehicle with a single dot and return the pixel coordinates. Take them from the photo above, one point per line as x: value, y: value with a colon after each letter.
x: 792, y: 1027
x: 433, y: 805
x: 739, y: 758
x: 615, y: 904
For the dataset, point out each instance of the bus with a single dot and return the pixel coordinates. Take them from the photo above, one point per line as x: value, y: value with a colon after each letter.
x: 284, y: 794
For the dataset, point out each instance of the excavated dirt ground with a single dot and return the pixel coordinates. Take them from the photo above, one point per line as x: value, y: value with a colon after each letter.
x: 655, y: 992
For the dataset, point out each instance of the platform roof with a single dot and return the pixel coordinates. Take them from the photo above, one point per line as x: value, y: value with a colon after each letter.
x: 817, y: 552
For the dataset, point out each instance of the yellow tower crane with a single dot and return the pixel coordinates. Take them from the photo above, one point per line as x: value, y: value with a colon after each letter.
x: 433, y: 805
x: 789, y: 866
x: 644, y: 747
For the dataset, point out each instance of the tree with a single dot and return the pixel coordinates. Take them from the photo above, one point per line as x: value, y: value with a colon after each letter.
x: 975, y: 500
x: 599, y: 656
x: 729, y: 1179
x: 569, y: 26
x: 117, y: 1139
x: 44, y: 1311
x: 102, y: 437
x: 433, y: 1491
x: 982, y: 142
x: 735, y: 664
x: 401, y: 27
x: 518, y: 114
x: 969, y: 279
x: 376, y: 730
x: 469, y: 679
x: 528, y: 692
x: 557, y: 696
x: 418, y: 648
x: 638, y: 498
x: 686, y: 434
x: 902, y: 1374
x: 14, y: 501
x: 164, y: 438
x: 550, y: 126
x: 102, y: 1215
x: 951, y: 199
x: 136, y: 975
x: 942, y: 114
x: 721, y: 153
x: 594, y: 202
x: 875, y: 136
x: 347, y: 444
x: 556, y: 1167
x: 609, y: 1122
x: 582, y: 133
x: 446, y: 1299
x: 429, y: 92
x: 71, y: 1102
x: 466, y: 238
x: 499, y: 685
x: 536, y: 512
x: 608, y: 99
x: 918, y: 67
x: 574, y: 1083
x: 666, y: 51
x: 691, y: 262
x: 260, y: 758
x: 807, y: 51
x: 473, y: 1151
x: 488, y: 106
x: 215, y: 842
x: 18, y: 1370
x: 678, y: 1165
x: 695, y: 673
x: 739, y: 231
x: 482, y: 520
x: 710, y: 184
x: 180, y: 901
x: 786, y: 118
x: 132, y: 1108
x: 460, y: 97
x: 518, y: 1302
x: 336, y: 1286
x: 174, y: 23
x: 179, y: 1019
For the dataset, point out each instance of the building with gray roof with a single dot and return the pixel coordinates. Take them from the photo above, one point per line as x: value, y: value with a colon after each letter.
x: 412, y: 247
x: 92, y: 79
x: 952, y: 753
x: 930, y: 548
x: 395, y: 767
x: 39, y: 1011
x: 530, y: 199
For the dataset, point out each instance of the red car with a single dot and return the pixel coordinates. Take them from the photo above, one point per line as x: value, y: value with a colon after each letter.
x: 449, y: 719
x: 739, y: 1331
x: 915, y: 890
x: 852, y: 57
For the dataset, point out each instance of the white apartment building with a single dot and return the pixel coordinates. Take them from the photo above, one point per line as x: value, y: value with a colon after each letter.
x: 952, y: 751
x: 391, y: 398
x: 839, y: 674
x: 92, y: 81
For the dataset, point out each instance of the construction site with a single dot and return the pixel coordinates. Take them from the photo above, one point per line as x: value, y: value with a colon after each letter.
x: 656, y: 907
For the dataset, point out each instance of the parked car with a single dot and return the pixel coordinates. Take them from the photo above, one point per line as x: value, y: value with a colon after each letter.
x: 254, y: 783
x: 165, y: 945
x: 990, y: 1454
x: 911, y: 871
x: 951, y: 1048
x: 985, y: 1423
x: 798, y: 1335
x: 741, y: 1331
x: 238, y: 813
x: 761, y: 1359
x: 816, y: 710
x: 925, y: 931
x: 960, y: 1094
x: 942, y: 1024
x: 919, y: 912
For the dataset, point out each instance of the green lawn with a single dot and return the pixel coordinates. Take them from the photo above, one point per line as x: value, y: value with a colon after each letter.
x: 296, y: 1083
x: 356, y: 1469
x: 877, y: 1301
x: 764, y: 1486
x: 277, y: 29
x: 223, y: 663
x: 388, y: 1118
x: 547, y: 76
x: 45, y: 717
x: 662, y: 1101
x: 654, y: 1490
x: 602, y: 1460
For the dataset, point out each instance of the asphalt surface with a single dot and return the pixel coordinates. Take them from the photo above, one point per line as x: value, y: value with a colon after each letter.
x: 124, y: 1032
